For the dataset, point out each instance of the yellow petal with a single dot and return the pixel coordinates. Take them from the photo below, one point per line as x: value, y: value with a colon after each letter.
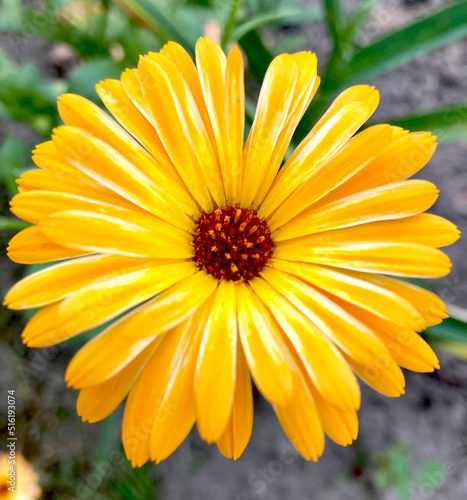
x: 351, y: 336
x: 263, y: 346
x: 353, y: 156
x: 175, y: 409
x: 401, y: 159
x: 405, y: 346
x: 100, y: 302
x: 82, y: 113
x: 104, y: 164
x: 132, y: 87
x: 340, y: 426
x: 236, y: 435
x: 301, y: 421
x: 177, y: 119
x: 423, y: 229
x: 324, y: 364
x: 379, y: 379
x: 430, y: 307
x: 47, y: 157
x: 397, y: 259
x: 216, y: 367
x: 46, y: 180
x: 305, y: 88
x: 59, y: 281
x: 235, y: 116
x: 271, y: 116
x: 116, y: 100
x: 393, y: 201
x: 347, y: 114
x: 175, y: 53
x: 94, y: 232
x: 116, y: 346
x: 145, y: 398
x: 31, y: 246
x: 378, y: 300
x: 99, y: 401
x: 36, y: 205
x: 211, y: 63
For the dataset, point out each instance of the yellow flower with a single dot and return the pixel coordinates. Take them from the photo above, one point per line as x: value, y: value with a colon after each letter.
x: 18, y: 480
x: 227, y: 265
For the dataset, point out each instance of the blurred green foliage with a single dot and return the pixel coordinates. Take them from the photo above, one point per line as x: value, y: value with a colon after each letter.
x: 394, y: 471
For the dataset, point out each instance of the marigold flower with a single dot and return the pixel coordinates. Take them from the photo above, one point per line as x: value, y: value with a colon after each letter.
x: 228, y: 264
x: 18, y: 479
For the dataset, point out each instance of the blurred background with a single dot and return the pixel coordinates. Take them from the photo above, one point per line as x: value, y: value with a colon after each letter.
x: 415, y: 53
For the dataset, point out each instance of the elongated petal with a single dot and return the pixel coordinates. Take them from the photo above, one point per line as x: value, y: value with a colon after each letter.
x: 353, y: 156
x: 175, y: 409
x: 430, y: 307
x: 93, y: 232
x: 175, y: 53
x: 324, y: 364
x: 351, y: 336
x: 405, y: 346
x: 144, y: 402
x: 348, y: 113
x: 216, y: 367
x: 236, y: 435
x: 59, y: 281
x: 104, y: 164
x: 99, y: 302
x: 305, y: 88
x: 404, y: 157
x: 99, y: 401
x: 31, y: 246
x: 115, y: 347
x: 423, y: 229
x: 264, y: 348
x: 235, y: 117
x: 176, y: 117
x: 378, y: 300
x: 301, y: 421
x: 46, y: 180
x: 393, y: 201
x: 116, y: 100
x: 397, y: 259
x: 36, y: 205
x: 271, y: 116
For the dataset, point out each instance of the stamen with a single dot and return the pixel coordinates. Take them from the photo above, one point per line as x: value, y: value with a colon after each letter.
x: 232, y: 243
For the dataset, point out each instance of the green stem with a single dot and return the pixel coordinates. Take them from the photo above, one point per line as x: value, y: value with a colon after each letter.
x: 230, y: 24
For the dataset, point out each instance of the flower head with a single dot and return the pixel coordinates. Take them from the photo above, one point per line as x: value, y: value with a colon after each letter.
x: 223, y: 262
x: 18, y: 479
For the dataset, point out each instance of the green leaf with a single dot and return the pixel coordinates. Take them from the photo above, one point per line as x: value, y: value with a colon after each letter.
x: 168, y: 26
x: 451, y: 330
x: 13, y: 155
x: 258, y: 55
x: 280, y: 15
x: 358, y: 19
x: 448, y: 124
x: 230, y: 23
x: 11, y: 224
x: 430, y: 475
x: 28, y: 96
x: 335, y: 18
x: 402, y: 46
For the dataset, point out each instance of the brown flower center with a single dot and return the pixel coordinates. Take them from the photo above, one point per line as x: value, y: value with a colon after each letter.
x: 232, y: 243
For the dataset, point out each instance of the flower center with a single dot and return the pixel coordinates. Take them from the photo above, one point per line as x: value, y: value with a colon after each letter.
x: 232, y: 243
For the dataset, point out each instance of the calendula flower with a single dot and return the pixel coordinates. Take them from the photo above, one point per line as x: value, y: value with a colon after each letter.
x: 222, y: 263
x: 18, y: 479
